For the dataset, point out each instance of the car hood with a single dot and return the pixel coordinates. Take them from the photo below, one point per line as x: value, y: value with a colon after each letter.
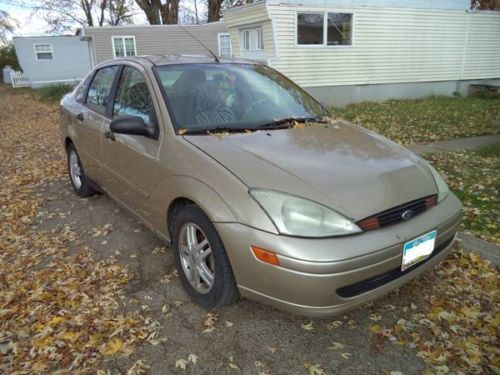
x: 348, y: 168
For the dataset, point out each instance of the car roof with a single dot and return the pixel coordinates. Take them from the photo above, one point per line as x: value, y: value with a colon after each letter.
x: 158, y: 60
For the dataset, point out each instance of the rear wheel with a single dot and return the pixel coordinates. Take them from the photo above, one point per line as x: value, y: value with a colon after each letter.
x: 79, y: 180
x: 201, y: 260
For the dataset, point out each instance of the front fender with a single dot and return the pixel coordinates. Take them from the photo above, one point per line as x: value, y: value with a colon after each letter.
x: 174, y: 187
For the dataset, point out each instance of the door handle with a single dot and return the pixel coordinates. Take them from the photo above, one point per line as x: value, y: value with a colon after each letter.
x: 109, y: 135
x: 80, y: 117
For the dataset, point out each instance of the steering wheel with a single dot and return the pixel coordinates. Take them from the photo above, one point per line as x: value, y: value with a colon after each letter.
x: 255, y: 105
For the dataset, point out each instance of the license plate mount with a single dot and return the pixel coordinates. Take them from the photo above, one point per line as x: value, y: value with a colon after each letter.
x: 418, y: 249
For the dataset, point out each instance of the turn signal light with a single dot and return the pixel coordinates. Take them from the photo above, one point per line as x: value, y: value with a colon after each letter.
x: 369, y: 223
x: 430, y: 201
x: 265, y: 256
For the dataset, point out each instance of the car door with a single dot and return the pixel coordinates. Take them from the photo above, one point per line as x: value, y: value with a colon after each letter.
x: 129, y: 161
x: 91, y: 117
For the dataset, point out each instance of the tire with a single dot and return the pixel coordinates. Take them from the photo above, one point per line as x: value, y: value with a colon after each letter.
x: 77, y: 176
x: 223, y: 290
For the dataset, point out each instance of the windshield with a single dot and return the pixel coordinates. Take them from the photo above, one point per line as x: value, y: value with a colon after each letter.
x: 232, y: 96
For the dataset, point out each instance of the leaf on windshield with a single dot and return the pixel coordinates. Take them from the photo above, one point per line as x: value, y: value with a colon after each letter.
x: 182, y: 131
x: 331, y: 119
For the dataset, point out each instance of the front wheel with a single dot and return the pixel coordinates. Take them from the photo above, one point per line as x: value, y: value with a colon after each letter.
x: 201, y: 260
x: 79, y: 180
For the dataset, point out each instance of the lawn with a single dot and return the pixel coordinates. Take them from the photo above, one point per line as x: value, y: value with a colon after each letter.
x: 474, y: 177
x: 410, y: 122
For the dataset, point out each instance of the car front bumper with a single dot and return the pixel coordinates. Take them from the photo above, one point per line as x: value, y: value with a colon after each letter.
x: 321, y: 277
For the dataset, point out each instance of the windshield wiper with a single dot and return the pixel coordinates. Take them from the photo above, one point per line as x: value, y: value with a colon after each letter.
x: 288, y: 122
x: 214, y: 130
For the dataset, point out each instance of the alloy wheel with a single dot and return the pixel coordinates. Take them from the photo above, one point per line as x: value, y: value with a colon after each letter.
x: 196, y: 257
x: 75, y: 170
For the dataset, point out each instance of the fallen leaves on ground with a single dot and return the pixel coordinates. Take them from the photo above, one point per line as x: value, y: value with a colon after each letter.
x: 57, y: 311
x: 208, y: 323
x: 456, y: 329
x: 410, y: 122
x: 474, y: 176
x: 314, y: 369
x: 181, y: 363
x: 308, y: 326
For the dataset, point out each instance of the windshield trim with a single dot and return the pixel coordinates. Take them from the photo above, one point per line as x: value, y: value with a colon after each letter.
x: 171, y: 113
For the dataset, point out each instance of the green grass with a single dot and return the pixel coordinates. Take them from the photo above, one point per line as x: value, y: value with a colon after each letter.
x: 410, y: 122
x: 50, y: 94
x: 474, y: 177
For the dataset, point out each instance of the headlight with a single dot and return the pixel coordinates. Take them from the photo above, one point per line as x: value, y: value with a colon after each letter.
x: 442, y: 187
x: 301, y: 217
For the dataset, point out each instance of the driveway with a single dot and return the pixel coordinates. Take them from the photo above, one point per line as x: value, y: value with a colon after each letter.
x: 247, y: 336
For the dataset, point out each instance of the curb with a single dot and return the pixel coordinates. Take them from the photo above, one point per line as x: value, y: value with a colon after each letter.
x: 485, y: 249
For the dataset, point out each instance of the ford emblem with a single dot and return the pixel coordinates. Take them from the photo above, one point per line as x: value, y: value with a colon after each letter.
x: 407, y: 215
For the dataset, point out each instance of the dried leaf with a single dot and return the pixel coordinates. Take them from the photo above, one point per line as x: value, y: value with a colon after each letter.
x: 308, y: 327
x: 314, y: 369
x: 193, y: 358
x: 181, y: 363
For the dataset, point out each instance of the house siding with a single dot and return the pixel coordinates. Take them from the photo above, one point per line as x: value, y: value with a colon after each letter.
x: 393, y: 46
x: 482, y: 57
x: 432, y: 43
x: 255, y: 15
x: 70, y: 63
x: 157, y: 39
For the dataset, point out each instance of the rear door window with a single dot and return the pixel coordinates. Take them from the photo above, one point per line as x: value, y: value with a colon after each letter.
x: 100, y: 88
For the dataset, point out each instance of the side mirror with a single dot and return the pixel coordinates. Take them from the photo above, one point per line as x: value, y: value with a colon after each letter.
x: 133, y: 125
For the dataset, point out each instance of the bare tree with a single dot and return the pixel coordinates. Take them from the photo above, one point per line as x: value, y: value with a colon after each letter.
x: 215, y: 7
x: 119, y: 12
x: 485, y: 4
x: 235, y: 3
x: 158, y: 13
x: 63, y: 15
x: 196, y: 11
x: 7, y: 25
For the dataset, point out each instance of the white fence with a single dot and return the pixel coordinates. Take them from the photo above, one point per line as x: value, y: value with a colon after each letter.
x: 18, y: 79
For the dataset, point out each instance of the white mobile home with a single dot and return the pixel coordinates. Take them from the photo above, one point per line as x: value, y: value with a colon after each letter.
x: 344, y: 51
x: 48, y: 60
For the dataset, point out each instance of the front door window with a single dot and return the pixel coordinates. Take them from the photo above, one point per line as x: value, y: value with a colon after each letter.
x: 132, y: 96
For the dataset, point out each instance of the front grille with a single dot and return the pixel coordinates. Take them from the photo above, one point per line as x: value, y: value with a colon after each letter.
x: 397, y: 214
x: 374, y: 282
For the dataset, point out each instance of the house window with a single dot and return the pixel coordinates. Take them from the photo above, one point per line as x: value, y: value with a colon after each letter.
x: 124, y: 46
x: 310, y: 28
x: 225, y: 48
x: 251, y: 39
x: 339, y: 29
x: 44, y: 51
x: 313, y: 28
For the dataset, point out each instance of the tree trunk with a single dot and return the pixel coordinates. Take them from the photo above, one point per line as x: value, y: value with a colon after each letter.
x: 170, y: 12
x: 154, y: 9
x: 102, y: 6
x: 151, y: 9
x: 214, y: 7
x: 87, y: 9
x: 196, y: 12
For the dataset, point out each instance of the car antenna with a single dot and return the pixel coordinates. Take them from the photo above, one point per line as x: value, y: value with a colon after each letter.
x: 199, y: 41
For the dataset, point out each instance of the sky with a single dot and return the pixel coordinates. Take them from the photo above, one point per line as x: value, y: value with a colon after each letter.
x: 30, y: 24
